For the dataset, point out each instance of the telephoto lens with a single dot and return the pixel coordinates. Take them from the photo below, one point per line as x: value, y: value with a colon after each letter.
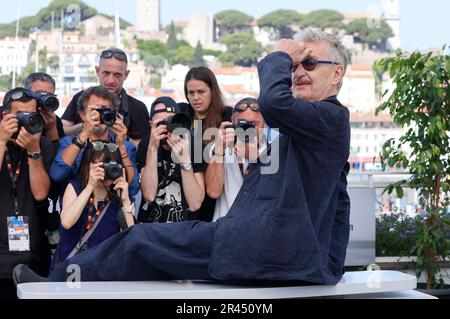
x: 113, y: 170
x: 49, y: 102
x: 32, y: 122
x: 107, y: 116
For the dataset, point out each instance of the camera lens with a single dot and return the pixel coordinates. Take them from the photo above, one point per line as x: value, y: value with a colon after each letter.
x: 108, y: 117
x: 49, y: 102
x: 32, y: 122
x: 113, y: 170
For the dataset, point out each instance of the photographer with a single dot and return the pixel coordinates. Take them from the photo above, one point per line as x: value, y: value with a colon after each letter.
x: 96, y: 107
x: 44, y: 85
x: 232, y: 155
x: 25, y: 158
x: 169, y: 188
x: 112, y: 71
x: 91, y: 206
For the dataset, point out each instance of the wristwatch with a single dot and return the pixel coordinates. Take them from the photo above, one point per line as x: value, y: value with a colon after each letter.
x: 186, y: 166
x: 77, y: 141
x: 34, y: 155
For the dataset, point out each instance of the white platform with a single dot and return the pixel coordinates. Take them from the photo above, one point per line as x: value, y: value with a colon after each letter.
x: 372, y: 284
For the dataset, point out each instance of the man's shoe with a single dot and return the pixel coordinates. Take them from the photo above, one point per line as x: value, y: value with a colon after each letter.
x: 22, y: 274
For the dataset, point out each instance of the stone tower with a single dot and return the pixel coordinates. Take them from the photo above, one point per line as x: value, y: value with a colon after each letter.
x: 148, y: 15
x: 391, y: 14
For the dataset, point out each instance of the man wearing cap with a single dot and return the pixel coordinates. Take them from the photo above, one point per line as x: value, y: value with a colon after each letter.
x: 112, y: 71
x: 171, y: 184
x: 25, y: 159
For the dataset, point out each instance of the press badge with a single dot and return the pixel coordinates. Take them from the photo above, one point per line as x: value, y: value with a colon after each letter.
x: 19, y: 233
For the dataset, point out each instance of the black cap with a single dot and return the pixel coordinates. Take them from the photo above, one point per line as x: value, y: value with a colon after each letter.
x: 169, y: 103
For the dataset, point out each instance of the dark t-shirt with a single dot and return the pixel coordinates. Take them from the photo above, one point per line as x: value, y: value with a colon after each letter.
x: 206, y: 211
x: 170, y: 203
x: 27, y: 207
x: 136, y: 116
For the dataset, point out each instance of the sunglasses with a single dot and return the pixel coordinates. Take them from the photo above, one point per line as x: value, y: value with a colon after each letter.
x: 309, y: 64
x: 20, y: 94
x: 241, y: 107
x: 119, y: 55
x: 100, y: 146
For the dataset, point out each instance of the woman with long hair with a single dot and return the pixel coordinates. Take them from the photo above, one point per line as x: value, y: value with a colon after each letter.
x: 96, y: 205
x: 207, y: 110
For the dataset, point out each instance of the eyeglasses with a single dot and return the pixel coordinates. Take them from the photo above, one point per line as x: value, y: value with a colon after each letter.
x: 241, y: 107
x: 100, y: 146
x: 309, y: 64
x: 119, y: 55
x: 20, y: 94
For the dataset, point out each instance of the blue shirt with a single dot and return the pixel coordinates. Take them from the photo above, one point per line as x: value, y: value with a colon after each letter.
x: 61, y: 173
x: 292, y: 224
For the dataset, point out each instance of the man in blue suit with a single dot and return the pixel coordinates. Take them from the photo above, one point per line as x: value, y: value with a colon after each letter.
x: 289, y: 225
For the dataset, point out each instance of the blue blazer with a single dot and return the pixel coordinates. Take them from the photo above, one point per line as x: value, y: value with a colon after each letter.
x: 294, y: 224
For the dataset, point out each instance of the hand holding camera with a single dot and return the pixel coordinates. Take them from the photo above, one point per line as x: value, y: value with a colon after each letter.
x: 180, y: 148
x: 28, y: 141
x: 96, y: 174
x: 9, y: 125
x: 121, y: 187
x: 120, y: 130
x: 225, y: 137
x: 158, y: 133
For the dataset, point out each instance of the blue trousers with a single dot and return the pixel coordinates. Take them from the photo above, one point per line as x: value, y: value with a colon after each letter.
x: 175, y: 251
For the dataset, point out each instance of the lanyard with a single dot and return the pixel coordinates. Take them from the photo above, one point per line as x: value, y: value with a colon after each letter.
x: 241, y: 169
x: 94, y: 213
x: 14, y: 176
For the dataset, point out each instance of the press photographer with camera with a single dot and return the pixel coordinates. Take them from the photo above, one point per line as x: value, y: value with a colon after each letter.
x: 96, y: 204
x: 25, y: 158
x: 237, y: 145
x: 44, y: 86
x: 170, y: 188
x: 112, y: 71
x: 101, y: 121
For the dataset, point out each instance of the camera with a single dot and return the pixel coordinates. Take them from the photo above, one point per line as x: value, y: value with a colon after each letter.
x: 245, y: 130
x: 32, y: 122
x: 107, y: 116
x: 47, y: 101
x: 179, y: 120
x: 113, y: 170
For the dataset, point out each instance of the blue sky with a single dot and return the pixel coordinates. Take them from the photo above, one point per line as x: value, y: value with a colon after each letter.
x: 424, y: 24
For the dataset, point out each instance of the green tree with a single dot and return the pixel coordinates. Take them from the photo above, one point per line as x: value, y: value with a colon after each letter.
x: 151, y: 47
x: 182, y: 55
x: 154, y: 62
x: 242, y: 49
x: 420, y: 102
x: 198, y: 60
x: 374, y: 36
x: 323, y: 19
x: 232, y: 21
x: 5, y: 82
x: 171, y: 43
x: 281, y: 20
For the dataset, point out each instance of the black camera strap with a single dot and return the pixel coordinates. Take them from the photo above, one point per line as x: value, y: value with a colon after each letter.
x: 14, y: 176
x: 124, y: 108
x: 91, y: 229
